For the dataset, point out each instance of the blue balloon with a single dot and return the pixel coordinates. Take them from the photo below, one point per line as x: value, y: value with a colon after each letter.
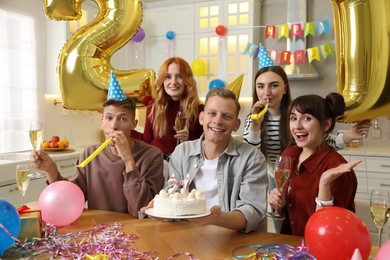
x: 216, y: 83
x: 10, y: 219
x: 170, y: 35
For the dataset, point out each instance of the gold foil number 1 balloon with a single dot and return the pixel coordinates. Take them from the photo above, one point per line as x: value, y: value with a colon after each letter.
x: 363, y: 56
x: 84, y: 64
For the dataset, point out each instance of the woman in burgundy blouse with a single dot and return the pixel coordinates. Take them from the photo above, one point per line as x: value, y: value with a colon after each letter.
x: 175, y: 90
x: 319, y: 176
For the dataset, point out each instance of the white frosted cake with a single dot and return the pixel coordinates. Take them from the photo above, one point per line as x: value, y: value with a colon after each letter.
x: 179, y: 204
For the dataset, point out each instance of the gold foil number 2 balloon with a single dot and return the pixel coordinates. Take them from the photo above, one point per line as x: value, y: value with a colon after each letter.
x: 84, y: 64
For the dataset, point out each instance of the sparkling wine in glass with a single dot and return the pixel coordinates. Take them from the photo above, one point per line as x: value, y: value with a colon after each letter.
x: 36, y: 139
x: 379, y: 206
x: 36, y: 134
x: 281, y: 173
x: 22, y: 178
x: 180, y: 122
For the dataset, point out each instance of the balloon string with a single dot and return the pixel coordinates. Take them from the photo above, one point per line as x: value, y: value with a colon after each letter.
x: 9, y: 233
x: 365, y: 161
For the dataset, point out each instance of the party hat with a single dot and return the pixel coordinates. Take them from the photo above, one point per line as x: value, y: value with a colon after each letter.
x: 235, y: 86
x: 114, y: 89
x: 264, y: 59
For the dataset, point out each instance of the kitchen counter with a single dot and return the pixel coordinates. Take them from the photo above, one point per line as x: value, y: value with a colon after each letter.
x: 369, y: 151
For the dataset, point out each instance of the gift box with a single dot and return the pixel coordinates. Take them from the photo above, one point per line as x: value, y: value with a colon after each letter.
x: 30, y: 222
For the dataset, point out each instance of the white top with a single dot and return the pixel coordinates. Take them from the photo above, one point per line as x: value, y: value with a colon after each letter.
x: 206, y: 182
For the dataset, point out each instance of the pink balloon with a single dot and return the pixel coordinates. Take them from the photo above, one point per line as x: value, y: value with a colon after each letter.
x: 383, y: 252
x: 61, y: 203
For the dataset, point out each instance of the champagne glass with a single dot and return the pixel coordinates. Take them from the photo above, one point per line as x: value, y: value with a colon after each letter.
x: 180, y: 122
x: 281, y: 173
x: 36, y: 139
x: 22, y: 178
x: 379, y: 206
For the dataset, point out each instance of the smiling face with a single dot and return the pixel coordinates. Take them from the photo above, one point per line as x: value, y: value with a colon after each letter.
x: 219, y: 119
x: 117, y: 119
x: 173, y: 83
x: 270, y: 86
x: 307, y: 130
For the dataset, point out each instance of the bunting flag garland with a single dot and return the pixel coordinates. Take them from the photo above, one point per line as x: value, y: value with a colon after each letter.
x: 285, y: 56
x: 297, y: 29
x: 270, y: 31
x: 323, y: 27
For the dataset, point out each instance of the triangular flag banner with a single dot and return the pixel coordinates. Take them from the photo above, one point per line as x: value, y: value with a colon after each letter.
x: 270, y: 31
x: 299, y: 56
x: 283, y: 31
x: 309, y: 28
x: 323, y: 27
x: 327, y: 49
x: 114, y: 89
x: 264, y: 59
x: 235, y: 86
x: 250, y: 49
x: 285, y: 57
x: 296, y: 30
x: 313, y: 54
x: 274, y: 56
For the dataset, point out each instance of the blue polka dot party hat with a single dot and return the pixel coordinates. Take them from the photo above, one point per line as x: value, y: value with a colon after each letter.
x: 114, y: 89
x: 264, y: 59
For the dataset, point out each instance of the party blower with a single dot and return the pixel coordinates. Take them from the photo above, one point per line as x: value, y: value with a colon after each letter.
x: 94, y: 154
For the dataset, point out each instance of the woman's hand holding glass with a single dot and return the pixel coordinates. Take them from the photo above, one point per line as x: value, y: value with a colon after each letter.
x: 181, y: 127
x: 281, y: 174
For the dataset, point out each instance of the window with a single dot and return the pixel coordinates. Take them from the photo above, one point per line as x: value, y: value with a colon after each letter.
x: 223, y: 55
x: 20, y: 80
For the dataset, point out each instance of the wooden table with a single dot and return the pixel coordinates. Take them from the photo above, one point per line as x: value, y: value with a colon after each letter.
x: 170, y: 238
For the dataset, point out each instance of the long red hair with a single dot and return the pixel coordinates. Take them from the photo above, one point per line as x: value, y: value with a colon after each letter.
x: 189, y: 101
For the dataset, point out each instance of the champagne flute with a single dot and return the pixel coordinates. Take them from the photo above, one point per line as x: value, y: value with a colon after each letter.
x: 281, y: 173
x: 180, y: 122
x: 22, y: 178
x: 36, y: 139
x: 379, y: 206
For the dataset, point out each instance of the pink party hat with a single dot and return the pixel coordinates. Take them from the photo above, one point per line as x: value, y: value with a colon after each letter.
x: 264, y: 59
x: 114, y: 89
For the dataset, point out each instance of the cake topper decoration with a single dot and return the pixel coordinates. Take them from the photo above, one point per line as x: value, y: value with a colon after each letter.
x: 114, y: 89
x: 264, y: 59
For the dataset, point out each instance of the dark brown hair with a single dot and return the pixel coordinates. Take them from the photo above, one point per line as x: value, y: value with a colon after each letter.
x: 284, y: 133
x: 128, y: 103
x: 321, y: 108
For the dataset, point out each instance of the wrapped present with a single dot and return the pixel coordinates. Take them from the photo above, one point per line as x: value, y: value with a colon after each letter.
x: 30, y: 222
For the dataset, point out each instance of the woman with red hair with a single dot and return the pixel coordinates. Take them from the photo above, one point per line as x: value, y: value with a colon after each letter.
x: 175, y: 90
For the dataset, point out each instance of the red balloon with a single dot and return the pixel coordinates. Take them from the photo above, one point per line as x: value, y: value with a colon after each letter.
x: 335, y: 233
x: 221, y: 30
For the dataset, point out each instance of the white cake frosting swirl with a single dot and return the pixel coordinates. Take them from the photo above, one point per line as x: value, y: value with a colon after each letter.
x: 179, y: 204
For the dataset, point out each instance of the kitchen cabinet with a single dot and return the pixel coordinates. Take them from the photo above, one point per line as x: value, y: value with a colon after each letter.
x: 372, y: 173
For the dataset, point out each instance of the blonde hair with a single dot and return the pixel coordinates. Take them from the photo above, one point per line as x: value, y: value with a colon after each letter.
x: 189, y: 101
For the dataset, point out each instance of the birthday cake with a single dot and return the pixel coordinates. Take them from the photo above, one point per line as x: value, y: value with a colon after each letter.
x: 181, y: 203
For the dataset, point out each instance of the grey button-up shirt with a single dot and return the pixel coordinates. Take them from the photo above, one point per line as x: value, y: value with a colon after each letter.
x: 241, y: 176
